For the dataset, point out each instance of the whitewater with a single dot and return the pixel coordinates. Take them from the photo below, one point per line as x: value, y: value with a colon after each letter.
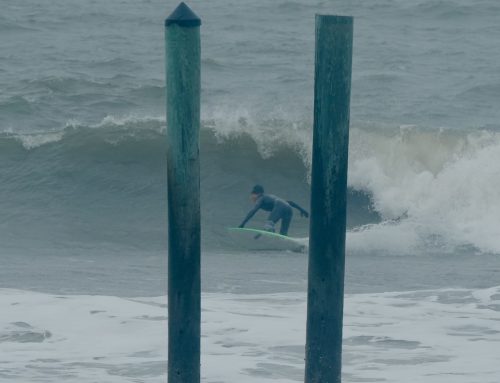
x: 83, y: 229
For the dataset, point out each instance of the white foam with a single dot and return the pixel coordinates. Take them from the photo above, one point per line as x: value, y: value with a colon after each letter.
x: 423, y: 336
x: 441, y: 188
x: 153, y: 122
x: 35, y: 140
x: 385, y: 238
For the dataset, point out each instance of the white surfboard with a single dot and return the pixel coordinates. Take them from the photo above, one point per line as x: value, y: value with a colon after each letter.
x: 254, y: 239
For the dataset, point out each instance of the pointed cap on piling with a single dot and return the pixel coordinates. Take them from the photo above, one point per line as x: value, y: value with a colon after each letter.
x: 183, y: 16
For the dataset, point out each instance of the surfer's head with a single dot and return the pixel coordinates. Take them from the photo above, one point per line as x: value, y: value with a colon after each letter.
x: 256, y: 192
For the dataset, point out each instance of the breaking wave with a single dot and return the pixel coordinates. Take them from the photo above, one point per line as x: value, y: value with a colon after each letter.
x: 410, y: 189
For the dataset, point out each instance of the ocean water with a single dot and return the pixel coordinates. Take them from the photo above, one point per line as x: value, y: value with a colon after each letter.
x: 83, y: 189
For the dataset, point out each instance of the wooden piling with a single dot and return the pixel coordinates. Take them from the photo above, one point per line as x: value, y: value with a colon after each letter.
x: 325, y: 299
x: 182, y: 39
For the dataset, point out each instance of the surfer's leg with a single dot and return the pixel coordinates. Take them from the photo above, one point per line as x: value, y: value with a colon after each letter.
x: 274, y: 217
x: 286, y: 219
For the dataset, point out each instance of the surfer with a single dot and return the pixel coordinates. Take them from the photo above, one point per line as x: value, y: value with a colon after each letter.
x: 279, y: 208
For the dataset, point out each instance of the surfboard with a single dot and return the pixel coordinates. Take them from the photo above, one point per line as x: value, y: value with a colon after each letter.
x: 255, y: 239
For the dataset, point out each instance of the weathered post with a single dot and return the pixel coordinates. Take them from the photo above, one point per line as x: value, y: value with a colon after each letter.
x: 325, y: 298
x: 182, y: 38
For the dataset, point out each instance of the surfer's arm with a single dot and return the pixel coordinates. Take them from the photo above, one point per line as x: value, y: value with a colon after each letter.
x: 252, y: 212
x: 303, y: 212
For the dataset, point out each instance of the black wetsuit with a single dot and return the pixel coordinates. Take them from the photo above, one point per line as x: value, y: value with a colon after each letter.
x: 280, y: 209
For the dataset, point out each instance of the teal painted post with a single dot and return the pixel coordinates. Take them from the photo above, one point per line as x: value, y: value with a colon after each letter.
x: 325, y: 298
x: 182, y: 39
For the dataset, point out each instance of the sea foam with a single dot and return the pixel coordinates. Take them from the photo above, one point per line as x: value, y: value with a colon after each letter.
x: 422, y: 336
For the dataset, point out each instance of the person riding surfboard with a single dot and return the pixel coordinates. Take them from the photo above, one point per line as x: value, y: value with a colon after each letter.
x: 279, y: 210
